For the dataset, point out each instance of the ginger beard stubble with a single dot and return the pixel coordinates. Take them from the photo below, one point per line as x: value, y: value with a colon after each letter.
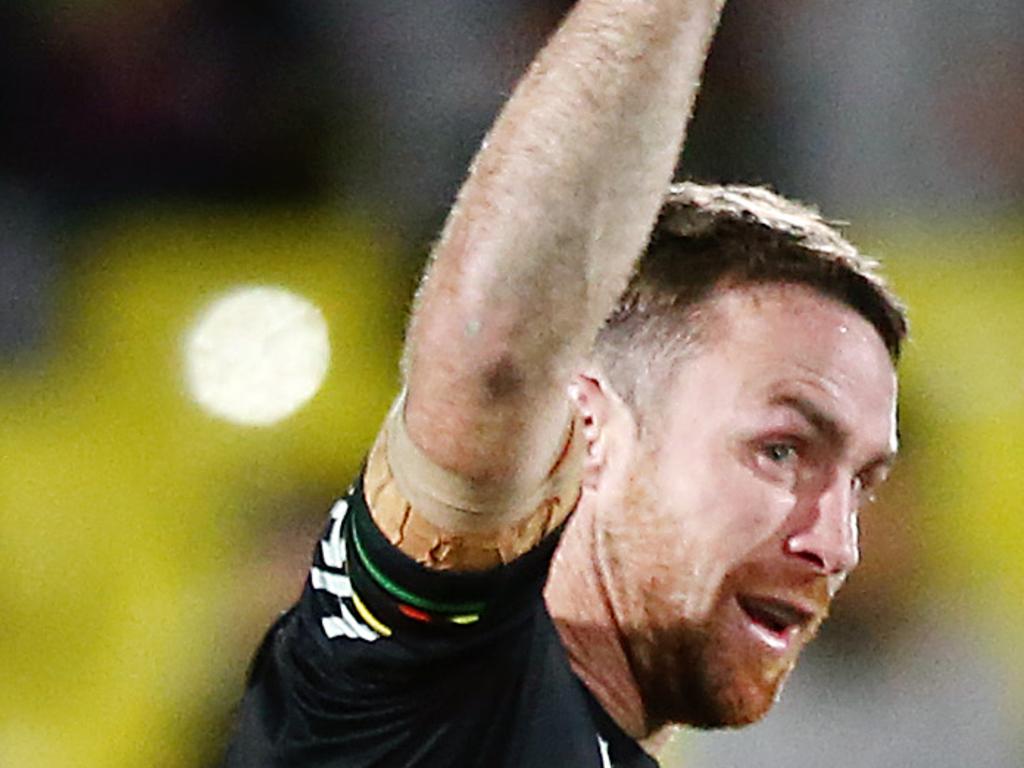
x: 686, y: 638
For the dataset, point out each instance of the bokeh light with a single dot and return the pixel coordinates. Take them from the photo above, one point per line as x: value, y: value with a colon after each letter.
x: 257, y: 355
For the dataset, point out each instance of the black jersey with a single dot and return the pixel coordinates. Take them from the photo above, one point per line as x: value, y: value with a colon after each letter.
x: 385, y: 663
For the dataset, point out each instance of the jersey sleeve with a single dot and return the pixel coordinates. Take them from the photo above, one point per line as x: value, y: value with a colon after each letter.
x: 412, y: 645
x: 362, y: 588
x: 385, y: 661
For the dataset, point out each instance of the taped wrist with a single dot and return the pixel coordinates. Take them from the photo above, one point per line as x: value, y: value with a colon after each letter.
x: 445, y: 521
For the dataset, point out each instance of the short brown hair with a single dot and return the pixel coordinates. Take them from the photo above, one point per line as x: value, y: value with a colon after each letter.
x: 710, y: 238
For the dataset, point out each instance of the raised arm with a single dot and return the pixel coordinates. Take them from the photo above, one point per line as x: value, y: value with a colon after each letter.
x: 557, y: 207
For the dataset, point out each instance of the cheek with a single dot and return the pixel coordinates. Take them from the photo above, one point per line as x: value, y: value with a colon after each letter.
x: 710, y: 519
x: 723, y: 507
x: 682, y: 524
x: 752, y: 510
x: 648, y: 554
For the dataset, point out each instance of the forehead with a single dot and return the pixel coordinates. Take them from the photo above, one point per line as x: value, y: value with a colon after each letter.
x: 772, y: 341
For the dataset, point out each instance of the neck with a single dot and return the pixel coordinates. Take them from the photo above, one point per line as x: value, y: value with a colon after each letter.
x: 579, y: 603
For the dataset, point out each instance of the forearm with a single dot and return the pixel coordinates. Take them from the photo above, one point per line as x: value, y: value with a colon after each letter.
x: 557, y: 207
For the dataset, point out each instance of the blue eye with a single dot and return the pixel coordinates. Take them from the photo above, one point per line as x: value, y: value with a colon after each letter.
x: 780, y: 452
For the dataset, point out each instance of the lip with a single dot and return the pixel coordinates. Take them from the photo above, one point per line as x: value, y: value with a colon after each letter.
x: 774, y: 622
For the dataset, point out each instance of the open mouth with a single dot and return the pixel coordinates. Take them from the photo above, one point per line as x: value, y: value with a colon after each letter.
x: 775, y: 622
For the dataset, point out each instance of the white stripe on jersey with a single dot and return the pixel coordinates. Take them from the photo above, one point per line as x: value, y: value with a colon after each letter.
x: 335, y: 627
x: 334, y: 553
x: 334, y: 556
x: 333, y: 548
x: 336, y: 584
x: 339, y: 509
x: 348, y: 626
x: 362, y: 631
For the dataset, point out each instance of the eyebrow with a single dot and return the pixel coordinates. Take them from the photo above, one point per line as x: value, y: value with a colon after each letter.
x: 829, y: 426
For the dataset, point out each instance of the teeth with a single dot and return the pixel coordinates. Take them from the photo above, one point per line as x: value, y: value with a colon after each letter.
x: 770, y: 639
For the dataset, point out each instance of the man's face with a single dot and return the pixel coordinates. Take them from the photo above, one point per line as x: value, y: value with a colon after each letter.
x: 736, y: 513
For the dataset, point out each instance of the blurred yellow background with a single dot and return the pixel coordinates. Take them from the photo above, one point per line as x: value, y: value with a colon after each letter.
x: 158, y: 156
x: 136, y: 569
x: 131, y: 569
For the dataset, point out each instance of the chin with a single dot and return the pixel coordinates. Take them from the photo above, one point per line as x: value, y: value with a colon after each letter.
x: 735, y: 705
x: 721, y: 700
x: 712, y: 684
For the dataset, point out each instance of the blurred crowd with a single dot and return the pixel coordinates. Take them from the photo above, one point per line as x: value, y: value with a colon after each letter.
x: 865, y: 107
x: 154, y: 151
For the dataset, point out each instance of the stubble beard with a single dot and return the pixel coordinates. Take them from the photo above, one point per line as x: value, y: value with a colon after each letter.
x: 706, y: 673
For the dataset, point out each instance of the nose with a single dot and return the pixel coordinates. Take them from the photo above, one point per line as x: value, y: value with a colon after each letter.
x: 828, y: 536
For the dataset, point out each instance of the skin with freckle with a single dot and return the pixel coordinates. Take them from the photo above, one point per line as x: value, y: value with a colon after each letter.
x: 701, y: 512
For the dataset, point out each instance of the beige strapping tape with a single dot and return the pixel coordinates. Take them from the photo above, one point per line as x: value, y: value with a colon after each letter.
x: 454, y: 503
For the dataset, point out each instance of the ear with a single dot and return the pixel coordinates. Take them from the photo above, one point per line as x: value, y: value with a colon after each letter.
x: 594, y: 401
